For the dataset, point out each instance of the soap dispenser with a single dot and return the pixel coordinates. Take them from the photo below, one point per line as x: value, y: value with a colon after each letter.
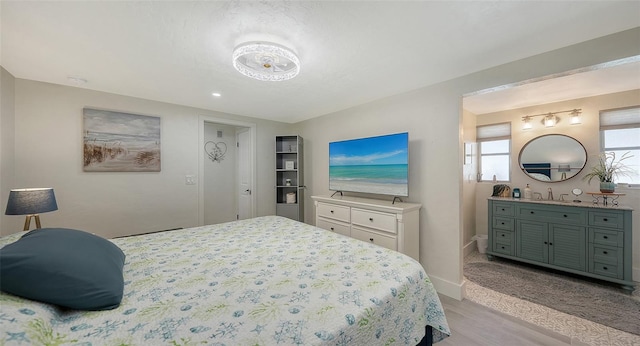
x: 528, y: 194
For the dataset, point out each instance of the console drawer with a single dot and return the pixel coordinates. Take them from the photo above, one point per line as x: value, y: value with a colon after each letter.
x: 606, y: 254
x: 505, y: 249
x: 375, y: 238
x: 551, y: 215
x: 503, y: 209
x: 608, y: 270
x: 372, y: 219
x: 612, y: 219
x: 503, y: 223
x: 606, y: 237
x: 502, y: 237
x: 340, y: 228
x: 332, y: 211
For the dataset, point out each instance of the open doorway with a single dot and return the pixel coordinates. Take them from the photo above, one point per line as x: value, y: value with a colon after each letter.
x: 227, y: 170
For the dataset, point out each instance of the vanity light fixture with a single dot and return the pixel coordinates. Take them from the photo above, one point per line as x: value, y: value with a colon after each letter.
x: 575, y: 117
x: 266, y: 61
x: 551, y: 119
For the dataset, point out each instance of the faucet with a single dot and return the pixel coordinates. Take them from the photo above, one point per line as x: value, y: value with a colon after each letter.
x: 550, y: 196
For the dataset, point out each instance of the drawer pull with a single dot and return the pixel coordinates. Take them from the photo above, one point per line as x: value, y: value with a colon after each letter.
x: 605, y: 252
x: 371, y: 219
x: 605, y: 268
x: 565, y: 215
x: 605, y: 237
x: 502, y: 209
x: 371, y: 240
x: 605, y: 219
x: 502, y: 223
x: 502, y: 235
x: 531, y: 212
x: 545, y: 243
x: 502, y: 247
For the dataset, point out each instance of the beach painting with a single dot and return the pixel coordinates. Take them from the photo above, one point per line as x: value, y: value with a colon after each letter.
x: 376, y: 165
x: 120, y: 142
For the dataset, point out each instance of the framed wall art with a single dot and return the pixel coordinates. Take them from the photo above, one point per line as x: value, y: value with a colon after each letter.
x: 120, y: 142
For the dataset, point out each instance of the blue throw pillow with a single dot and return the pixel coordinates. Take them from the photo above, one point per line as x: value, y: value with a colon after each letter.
x: 65, y: 267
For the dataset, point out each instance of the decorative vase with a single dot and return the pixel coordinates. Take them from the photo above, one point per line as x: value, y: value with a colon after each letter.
x: 607, y: 186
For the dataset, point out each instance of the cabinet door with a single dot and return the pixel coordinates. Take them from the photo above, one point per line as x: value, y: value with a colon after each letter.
x: 532, y: 240
x: 568, y: 246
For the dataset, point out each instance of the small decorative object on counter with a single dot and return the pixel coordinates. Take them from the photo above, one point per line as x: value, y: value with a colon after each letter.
x: 516, y: 192
x: 287, y: 182
x: 528, y: 194
x: 501, y: 190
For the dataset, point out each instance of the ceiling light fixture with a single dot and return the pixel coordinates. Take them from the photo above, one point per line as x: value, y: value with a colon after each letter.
x: 551, y: 119
x: 266, y: 61
x: 216, y: 94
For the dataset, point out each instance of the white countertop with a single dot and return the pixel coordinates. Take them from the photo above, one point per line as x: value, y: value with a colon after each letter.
x: 587, y: 203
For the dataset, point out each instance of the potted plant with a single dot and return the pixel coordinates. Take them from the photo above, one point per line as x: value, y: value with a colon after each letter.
x: 606, y: 169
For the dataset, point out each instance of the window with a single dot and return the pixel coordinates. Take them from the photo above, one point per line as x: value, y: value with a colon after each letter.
x: 620, y: 134
x: 494, y: 147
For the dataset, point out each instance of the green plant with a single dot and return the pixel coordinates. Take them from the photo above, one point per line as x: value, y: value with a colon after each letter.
x: 608, y: 167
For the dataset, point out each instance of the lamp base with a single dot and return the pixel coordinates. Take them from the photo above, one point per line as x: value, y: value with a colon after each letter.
x: 27, y: 222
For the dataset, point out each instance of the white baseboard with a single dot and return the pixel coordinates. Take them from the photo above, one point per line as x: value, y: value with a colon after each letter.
x: 469, y: 248
x: 448, y: 288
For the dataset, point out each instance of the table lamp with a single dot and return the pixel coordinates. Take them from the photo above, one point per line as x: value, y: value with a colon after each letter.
x: 31, y: 202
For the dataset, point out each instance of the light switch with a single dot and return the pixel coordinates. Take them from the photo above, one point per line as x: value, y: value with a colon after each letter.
x: 190, y: 179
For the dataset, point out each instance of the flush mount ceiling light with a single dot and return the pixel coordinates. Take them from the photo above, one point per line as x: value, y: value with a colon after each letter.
x: 266, y: 61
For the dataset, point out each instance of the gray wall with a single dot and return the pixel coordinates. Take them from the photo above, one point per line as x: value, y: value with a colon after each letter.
x: 48, y: 151
x: 7, y: 137
x: 433, y: 117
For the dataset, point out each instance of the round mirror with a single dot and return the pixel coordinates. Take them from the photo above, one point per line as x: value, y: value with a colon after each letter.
x: 552, y: 158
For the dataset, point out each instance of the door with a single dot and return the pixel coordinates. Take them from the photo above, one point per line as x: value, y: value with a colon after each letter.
x: 245, y: 194
x: 568, y: 246
x: 532, y: 240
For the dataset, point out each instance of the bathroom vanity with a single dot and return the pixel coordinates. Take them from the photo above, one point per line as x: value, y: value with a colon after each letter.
x: 580, y: 238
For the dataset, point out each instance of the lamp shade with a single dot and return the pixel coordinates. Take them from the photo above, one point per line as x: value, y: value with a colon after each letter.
x: 31, y: 201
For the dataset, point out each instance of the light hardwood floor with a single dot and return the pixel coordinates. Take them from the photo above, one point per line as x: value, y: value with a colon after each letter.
x: 487, y: 317
x: 474, y: 324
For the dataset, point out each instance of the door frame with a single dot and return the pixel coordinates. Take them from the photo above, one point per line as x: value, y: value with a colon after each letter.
x: 201, y: 162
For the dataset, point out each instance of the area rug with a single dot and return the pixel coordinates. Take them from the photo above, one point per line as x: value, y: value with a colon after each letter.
x: 591, y: 300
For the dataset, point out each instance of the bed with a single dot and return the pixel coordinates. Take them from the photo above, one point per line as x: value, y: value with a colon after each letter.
x: 262, y: 281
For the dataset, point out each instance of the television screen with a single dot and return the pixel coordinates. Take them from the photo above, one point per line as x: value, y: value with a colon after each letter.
x: 371, y: 165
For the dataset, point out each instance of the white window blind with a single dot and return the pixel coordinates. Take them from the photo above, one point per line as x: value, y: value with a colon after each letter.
x: 620, y: 118
x: 493, y: 132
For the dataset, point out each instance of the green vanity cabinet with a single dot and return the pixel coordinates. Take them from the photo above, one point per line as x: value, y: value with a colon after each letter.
x: 590, y: 240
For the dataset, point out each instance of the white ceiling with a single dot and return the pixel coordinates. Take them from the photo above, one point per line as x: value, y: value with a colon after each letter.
x: 351, y: 52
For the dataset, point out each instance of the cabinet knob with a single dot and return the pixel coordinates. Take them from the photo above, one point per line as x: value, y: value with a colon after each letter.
x: 550, y: 243
x: 531, y: 212
x: 605, y: 268
x: 502, y: 247
x: 565, y: 215
x: 605, y: 252
x: 331, y: 211
x: 371, y: 239
x: 371, y: 219
x: 332, y: 228
x: 545, y: 243
x: 502, y: 223
x: 502, y: 209
x: 605, y: 237
x: 502, y: 235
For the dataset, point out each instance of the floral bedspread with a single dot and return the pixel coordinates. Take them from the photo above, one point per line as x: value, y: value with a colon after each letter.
x: 263, y: 281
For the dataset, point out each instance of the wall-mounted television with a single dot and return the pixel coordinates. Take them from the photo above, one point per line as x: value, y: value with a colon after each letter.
x: 378, y: 165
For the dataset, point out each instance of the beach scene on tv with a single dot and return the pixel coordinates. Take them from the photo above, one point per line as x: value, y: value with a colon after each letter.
x: 371, y: 165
